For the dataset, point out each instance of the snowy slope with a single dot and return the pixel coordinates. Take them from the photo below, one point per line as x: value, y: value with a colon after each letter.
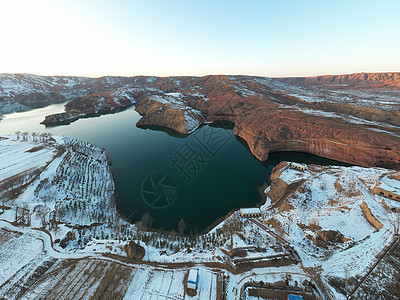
x: 330, y: 201
x: 63, y: 183
x: 12, y: 85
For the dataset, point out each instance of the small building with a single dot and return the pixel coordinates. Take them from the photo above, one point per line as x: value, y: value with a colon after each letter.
x: 294, y: 297
x: 193, y: 278
x: 296, y: 166
x: 250, y: 212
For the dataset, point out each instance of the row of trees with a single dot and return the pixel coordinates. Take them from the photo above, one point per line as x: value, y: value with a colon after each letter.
x: 177, y: 240
x: 146, y: 221
x: 43, y: 137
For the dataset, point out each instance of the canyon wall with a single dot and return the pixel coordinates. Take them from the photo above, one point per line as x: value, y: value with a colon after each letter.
x: 292, y: 114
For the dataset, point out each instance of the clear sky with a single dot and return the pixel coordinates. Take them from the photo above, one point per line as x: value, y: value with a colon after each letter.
x: 187, y: 37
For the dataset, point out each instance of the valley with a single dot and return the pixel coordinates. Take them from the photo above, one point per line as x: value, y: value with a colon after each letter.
x: 322, y: 226
x: 344, y: 123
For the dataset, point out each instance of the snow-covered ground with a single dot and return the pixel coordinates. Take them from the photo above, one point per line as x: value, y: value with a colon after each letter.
x: 41, y: 271
x: 330, y: 200
x: 64, y: 189
x: 16, y: 158
x: 385, y: 99
x: 61, y: 185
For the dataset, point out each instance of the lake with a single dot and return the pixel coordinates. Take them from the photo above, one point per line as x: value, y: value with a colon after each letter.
x: 199, y: 178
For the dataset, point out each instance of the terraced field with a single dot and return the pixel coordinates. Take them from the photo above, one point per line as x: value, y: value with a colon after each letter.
x: 71, y: 279
x: 27, y: 156
x: 161, y: 284
x: 18, y: 252
x: 30, y: 271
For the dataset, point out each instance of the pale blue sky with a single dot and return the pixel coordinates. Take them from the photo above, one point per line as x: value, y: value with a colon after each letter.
x: 177, y: 37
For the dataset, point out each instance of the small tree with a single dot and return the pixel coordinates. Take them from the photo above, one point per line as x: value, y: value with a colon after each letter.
x: 48, y: 136
x: 117, y: 228
x: 42, y: 212
x: 147, y: 221
x: 9, y: 186
x: 139, y: 230
x: 42, y: 136
x: 26, y: 214
x: 181, y: 227
x: 25, y: 135
x: 232, y: 225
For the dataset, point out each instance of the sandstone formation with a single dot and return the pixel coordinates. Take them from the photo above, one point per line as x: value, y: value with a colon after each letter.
x: 394, y: 195
x: 326, y: 207
x: 170, y: 111
x: 325, y: 238
x: 159, y: 114
x: 370, y: 217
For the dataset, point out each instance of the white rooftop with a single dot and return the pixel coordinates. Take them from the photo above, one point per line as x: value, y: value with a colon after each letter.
x: 253, y: 210
x: 193, y: 273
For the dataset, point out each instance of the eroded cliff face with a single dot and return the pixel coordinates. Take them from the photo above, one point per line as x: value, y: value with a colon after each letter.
x: 320, y: 136
x: 169, y: 110
x: 271, y: 115
x: 158, y: 114
x: 357, y: 80
x: 272, y: 121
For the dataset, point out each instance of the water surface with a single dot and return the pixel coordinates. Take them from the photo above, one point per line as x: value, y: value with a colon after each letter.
x: 198, y: 178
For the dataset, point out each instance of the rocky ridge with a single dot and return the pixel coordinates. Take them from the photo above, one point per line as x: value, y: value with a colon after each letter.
x: 272, y: 115
x: 335, y: 220
x: 353, y: 81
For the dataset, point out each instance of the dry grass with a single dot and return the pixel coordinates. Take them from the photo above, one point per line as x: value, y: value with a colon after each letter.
x: 274, y: 223
x: 339, y: 188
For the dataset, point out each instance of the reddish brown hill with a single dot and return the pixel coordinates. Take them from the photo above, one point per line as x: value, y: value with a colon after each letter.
x: 359, y: 127
x: 352, y: 81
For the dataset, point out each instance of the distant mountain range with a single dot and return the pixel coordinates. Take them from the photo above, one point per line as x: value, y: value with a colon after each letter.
x: 356, y: 81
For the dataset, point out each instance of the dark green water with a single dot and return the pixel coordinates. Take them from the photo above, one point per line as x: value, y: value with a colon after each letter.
x: 199, y: 178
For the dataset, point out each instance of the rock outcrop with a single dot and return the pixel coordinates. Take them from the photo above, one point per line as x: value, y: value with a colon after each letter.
x: 276, y: 171
x: 295, y: 114
x: 324, y: 238
x: 40, y: 99
x: 134, y: 251
x: 92, y: 105
x: 58, y: 119
x: 370, y: 217
x: 169, y: 111
x: 278, y: 190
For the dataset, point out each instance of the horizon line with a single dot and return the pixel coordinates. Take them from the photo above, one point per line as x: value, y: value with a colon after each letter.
x: 199, y: 76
